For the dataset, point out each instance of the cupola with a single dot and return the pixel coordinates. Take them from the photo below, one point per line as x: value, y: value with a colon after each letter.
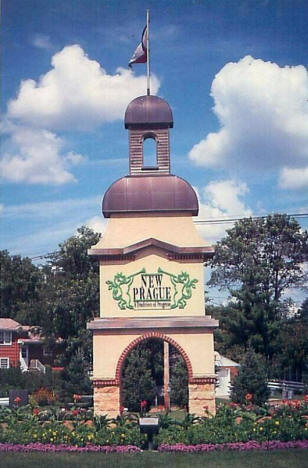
x: 149, y: 188
x: 148, y: 117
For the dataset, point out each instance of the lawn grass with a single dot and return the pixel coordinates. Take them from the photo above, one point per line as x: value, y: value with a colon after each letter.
x: 177, y: 415
x: 278, y: 459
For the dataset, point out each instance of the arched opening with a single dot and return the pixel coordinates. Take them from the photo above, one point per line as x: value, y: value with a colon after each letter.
x: 149, y: 152
x: 143, y: 373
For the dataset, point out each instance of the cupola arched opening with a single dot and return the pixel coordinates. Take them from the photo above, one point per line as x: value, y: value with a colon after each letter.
x: 149, y: 151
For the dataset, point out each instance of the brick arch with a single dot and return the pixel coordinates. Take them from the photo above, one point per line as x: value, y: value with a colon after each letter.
x: 147, y: 336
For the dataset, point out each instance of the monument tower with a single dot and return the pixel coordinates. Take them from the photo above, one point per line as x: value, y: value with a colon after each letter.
x: 151, y: 263
x: 151, y: 267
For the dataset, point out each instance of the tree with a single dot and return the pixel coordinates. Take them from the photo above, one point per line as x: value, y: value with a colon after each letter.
x: 21, y: 284
x: 72, y: 294
x: 257, y: 262
x: 138, y: 383
x: 250, y: 385
x: 178, y: 381
x: 75, y: 375
x: 292, y: 347
x: 72, y: 259
x: 250, y: 322
x: 303, y: 311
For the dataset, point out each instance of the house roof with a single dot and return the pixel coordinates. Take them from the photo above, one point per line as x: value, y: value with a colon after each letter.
x: 12, y: 325
x: 223, y: 361
x: 8, y: 324
x: 34, y: 340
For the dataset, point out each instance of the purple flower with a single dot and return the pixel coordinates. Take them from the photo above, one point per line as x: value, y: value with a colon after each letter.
x: 38, y: 447
x: 240, y: 446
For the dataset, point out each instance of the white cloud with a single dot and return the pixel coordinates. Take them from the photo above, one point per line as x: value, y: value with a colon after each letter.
x: 294, y: 178
x: 41, y: 41
x: 219, y: 200
x: 263, y: 113
x: 77, y: 93
x: 72, y: 207
x: 36, y: 156
x: 97, y: 223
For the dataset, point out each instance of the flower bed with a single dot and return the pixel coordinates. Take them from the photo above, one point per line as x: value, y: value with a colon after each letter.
x: 236, y: 426
x: 38, y: 447
x: 79, y: 428
x: 240, y: 424
x: 239, y: 446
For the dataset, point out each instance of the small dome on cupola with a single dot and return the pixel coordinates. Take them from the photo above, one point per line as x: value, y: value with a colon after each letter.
x: 148, y: 111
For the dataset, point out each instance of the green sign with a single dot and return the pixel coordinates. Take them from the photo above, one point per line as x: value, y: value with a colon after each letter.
x: 160, y: 290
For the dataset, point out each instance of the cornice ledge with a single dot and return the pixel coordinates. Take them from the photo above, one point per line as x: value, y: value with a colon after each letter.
x: 206, y: 251
x: 204, y: 322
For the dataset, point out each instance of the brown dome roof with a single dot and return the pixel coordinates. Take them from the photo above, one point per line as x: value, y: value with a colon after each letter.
x: 148, y: 110
x: 160, y: 193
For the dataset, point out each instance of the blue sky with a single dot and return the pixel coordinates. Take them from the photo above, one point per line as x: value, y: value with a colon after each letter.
x: 234, y: 73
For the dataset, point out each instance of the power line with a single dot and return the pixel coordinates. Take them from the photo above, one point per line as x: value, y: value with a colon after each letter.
x: 232, y: 220
x: 49, y: 254
x: 203, y: 221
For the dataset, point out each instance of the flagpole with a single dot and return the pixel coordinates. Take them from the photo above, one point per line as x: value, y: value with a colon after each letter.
x: 148, y: 52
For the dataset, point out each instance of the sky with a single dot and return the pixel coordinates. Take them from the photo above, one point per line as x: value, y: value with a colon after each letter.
x: 233, y: 71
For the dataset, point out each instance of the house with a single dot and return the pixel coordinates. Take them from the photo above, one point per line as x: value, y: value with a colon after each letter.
x: 22, y: 345
x: 226, y: 371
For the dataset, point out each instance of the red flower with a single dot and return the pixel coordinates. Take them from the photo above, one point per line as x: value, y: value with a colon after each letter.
x: 75, y: 412
x: 36, y: 411
x: 77, y: 397
x: 17, y: 400
x: 143, y: 403
x: 248, y: 396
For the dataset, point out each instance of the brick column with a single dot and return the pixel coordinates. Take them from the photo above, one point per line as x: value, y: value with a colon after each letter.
x: 201, y: 395
x: 106, y: 396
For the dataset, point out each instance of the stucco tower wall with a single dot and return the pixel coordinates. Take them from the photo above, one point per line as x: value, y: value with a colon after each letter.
x: 108, y: 347
x: 151, y: 262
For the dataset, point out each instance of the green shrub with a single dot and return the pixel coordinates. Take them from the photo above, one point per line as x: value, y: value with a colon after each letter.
x: 250, y: 385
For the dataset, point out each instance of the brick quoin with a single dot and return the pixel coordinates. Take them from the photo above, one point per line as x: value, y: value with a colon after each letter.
x: 148, y: 336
